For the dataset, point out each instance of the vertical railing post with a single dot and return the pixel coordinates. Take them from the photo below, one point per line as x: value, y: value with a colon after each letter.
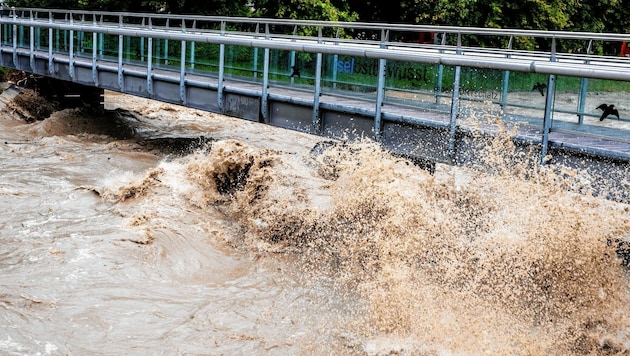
x: 437, y: 88
x: 15, y: 58
x: 292, y: 64
x: 21, y: 33
x: 38, y: 34
x: 380, y: 88
x: 51, y: 65
x: 182, y: 68
x: 81, y: 36
x: 506, y: 80
x: 94, y: 52
x: 141, y: 50
x: 292, y: 56
x: 455, y: 103
x: 101, y: 41
x: 317, y: 122
x: 65, y: 36
x: 150, y: 62
x: 438, y: 84
x: 71, y: 50
x: 334, y: 72
x: 264, y: 104
x: 166, y: 42
x: 335, y: 60
x: 192, y: 47
x: 221, y: 69
x: 2, y: 26
x: 121, y: 83
x: 255, y: 64
x: 32, y: 44
x: 548, y: 106
x: 583, y: 88
x: 57, y: 39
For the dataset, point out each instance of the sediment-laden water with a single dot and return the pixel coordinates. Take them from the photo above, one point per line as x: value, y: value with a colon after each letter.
x: 156, y: 229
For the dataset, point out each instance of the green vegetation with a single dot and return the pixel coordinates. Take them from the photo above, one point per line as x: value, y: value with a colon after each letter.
x: 611, y: 16
x: 587, y: 15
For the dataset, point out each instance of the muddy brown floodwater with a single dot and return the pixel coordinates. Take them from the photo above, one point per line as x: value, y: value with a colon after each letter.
x: 157, y: 229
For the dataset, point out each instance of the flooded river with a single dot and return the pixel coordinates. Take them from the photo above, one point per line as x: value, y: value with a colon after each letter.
x: 157, y: 229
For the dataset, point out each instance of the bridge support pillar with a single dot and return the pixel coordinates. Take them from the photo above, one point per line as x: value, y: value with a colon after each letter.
x: 71, y: 94
x: 93, y: 97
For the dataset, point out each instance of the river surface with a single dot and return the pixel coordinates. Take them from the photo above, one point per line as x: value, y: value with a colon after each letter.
x: 157, y: 229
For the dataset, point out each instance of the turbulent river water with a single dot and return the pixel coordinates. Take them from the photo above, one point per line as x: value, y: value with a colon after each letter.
x: 157, y: 229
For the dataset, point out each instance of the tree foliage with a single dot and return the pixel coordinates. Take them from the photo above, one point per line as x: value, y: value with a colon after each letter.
x: 573, y: 15
x: 611, y: 16
x: 104, y: 5
x: 200, y: 7
x: 208, y: 7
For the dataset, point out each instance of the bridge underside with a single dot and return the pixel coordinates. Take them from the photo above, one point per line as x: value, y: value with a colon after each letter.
x: 422, y: 135
x: 66, y: 94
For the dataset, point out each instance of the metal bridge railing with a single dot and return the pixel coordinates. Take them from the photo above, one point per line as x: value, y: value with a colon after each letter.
x: 436, y: 68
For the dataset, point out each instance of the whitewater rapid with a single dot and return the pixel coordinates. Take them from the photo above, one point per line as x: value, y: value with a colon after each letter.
x: 157, y: 229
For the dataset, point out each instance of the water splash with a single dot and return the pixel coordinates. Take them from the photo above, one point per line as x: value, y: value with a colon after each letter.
x: 502, y: 257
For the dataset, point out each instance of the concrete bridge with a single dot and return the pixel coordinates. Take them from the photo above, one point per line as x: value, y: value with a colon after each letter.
x: 340, y: 80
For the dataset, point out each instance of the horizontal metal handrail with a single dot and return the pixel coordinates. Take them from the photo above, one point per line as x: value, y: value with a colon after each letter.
x: 522, y: 61
x: 587, y: 36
